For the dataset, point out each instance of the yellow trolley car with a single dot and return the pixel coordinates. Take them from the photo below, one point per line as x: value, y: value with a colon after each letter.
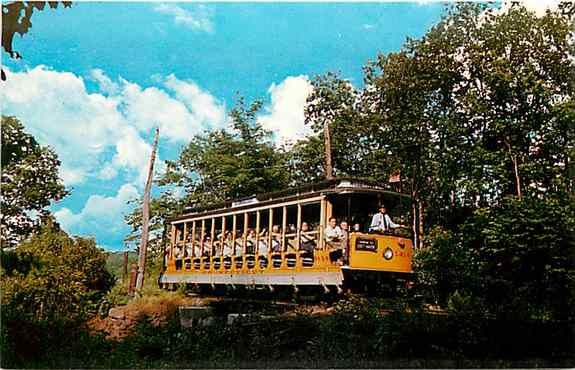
x: 261, y: 241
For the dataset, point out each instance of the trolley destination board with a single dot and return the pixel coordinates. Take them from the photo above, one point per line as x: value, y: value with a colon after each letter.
x: 369, y: 245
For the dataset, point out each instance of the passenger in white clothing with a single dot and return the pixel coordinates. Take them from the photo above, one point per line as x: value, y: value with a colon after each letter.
x: 333, y: 233
x: 263, y: 243
x: 228, y: 248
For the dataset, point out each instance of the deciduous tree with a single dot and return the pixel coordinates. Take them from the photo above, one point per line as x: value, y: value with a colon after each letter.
x: 30, y: 181
x: 229, y: 163
x: 54, y: 276
x: 479, y: 108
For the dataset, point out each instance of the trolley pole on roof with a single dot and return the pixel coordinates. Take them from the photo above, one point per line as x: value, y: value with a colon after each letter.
x: 146, y: 216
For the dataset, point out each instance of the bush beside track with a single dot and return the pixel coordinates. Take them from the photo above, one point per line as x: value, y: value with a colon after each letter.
x: 355, y: 332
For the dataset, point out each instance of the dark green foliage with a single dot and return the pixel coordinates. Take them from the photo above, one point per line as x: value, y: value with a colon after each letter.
x: 445, y: 267
x: 49, y: 285
x: 357, y: 150
x: 477, y: 109
x: 516, y: 260
x: 30, y: 181
x: 527, y: 253
x: 308, y: 160
x: 359, y: 334
x: 478, y: 117
x: 56, y: 276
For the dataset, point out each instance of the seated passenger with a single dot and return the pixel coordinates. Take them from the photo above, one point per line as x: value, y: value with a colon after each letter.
x: 218, y: 247
x: 307, y: 239
x: 239, y: 247
x: 188, y: 249
x: 228, y: 248
x: 381, y: 222
x: 178, y: 254
x: 291, y: 238
x: 250, y: 241
x: 333, y: 234
x: 197, y: 248
x: 207, y: 251
x: 356, y: 228
x: 263, y: 243
x: 276, y: 239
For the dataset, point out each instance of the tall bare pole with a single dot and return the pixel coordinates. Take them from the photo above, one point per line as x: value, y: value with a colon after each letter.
x: 125, y: 267
x: 515, y: 169
x: 146, y: 216
x: 327, y: 144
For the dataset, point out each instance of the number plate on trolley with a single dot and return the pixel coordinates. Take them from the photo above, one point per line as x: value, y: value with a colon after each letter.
x: 369, y: 245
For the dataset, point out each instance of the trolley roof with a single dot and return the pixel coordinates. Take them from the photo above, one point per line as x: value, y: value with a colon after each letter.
x: 342, y: 185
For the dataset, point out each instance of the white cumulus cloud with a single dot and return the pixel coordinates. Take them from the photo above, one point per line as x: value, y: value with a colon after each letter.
x: 86, y: 129
x: 72, y: 176
x: 101, y: 215
x: 56, y: 108
x: 104, y: 82
x: 180, y: 117
x: 199, y: 18
x: 285, y: 114
x: 202, y: 105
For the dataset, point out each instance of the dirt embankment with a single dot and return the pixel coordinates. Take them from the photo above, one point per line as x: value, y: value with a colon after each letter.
x: 121, y: 320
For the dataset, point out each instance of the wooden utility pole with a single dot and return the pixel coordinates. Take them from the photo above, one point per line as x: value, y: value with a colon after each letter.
x: 327, y: 144
x: 132, y: 280
x: 146, y: 216
x: 125, y: 267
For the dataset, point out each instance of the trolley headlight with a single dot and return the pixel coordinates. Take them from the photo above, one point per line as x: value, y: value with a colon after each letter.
x: 388, y: 254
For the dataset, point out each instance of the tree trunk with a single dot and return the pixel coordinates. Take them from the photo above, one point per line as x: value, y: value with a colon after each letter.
x: 420, y: 236
x: 327, y: 144
x: 146, y: 216
x: 414, y: 209
x: 569, y: 174
x: 414, y: 224
x: 517, y: 178
x: 515, y: 168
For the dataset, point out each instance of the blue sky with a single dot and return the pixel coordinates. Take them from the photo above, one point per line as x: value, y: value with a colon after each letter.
x: 96, y: 78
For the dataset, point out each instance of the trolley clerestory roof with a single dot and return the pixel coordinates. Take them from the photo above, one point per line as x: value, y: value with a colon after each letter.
x: 341, y: 185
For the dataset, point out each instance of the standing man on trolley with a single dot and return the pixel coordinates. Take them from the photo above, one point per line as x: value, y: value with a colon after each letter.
x: 381, y: 222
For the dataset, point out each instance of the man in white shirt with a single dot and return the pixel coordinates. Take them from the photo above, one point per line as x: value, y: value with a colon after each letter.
x: 333, y: 238
x: 382, y: 222
x: 333, y: 233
